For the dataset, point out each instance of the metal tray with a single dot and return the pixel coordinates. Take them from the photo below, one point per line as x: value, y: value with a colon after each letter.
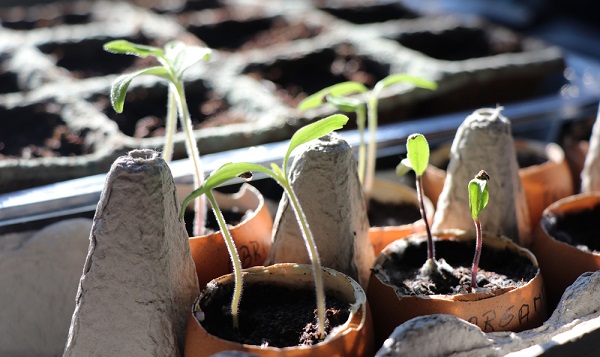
x: 542, y: 118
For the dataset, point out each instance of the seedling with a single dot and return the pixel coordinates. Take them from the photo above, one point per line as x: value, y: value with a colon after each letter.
x: 230, y: 171
x: 175, y: 58
x: 478, y: 199
x: 417, y: 159
x: 337, y: 95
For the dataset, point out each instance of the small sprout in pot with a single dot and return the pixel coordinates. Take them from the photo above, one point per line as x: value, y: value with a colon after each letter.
x: 478, y: 200
x: 230, y: 171
x: 341, y: 96
x: 175, y: 59
x: 417, y: 159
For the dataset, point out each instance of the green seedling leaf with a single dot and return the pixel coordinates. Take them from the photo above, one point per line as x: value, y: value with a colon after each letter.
x: 130, y: 48
x: 314, y: 131
x: 417, y: 150
x: 336, y: 90
x: 277, y: 170
x: 478, y: 194
x: 182, y: 56
x: 404, y: 78
x: 119, y: 87
x: 344, y: 103
x: 403, y: 167
x: 221, y: 175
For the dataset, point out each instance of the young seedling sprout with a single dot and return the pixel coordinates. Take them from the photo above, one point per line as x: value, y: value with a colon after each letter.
x: 229, y: 171
x: 175, y: 58
x: 338, y: 96
x: 417, y: 159
x: 478, y: 199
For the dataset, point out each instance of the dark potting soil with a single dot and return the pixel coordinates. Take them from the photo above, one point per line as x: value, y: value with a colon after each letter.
x: 271, y: 315
x: 39, y: 132
x: 383, y: 214
x: 578, y: 229
x: 497, y: 269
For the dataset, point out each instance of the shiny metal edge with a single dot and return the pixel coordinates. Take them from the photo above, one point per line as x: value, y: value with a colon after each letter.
x: 544, y: 115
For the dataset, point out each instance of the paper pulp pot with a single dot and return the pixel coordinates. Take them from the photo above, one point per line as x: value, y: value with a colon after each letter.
x: 354, y: 338
x: 562, y: 263
x: 509, y: 309
x: 252, y: 237
x: 395, y: 192
x: 543, y: 184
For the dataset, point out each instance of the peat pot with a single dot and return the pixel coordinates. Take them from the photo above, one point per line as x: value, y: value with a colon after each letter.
x: 568, y: 243
x: 515, y: 306
x: 354, y: 337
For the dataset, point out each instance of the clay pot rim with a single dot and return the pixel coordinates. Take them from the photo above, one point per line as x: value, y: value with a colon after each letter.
x: 490, y: 240
x: 358, y: 308
x: 553, y: 153
x: 571, y: 204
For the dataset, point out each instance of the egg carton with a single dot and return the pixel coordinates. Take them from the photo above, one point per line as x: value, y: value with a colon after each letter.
x: 267, y: 56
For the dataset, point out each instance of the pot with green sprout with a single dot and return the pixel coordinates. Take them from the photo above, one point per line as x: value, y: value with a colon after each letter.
x: 506, y: 295
x: 399, y: 216
x: 543, y: 170
x: 253, y: 231
x: 352, y: 335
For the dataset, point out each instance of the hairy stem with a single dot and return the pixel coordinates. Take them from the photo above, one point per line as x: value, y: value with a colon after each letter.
x: 170, y: 126
x: 235, y: 261
x: 478, y: 245
x: 313, y: 254
x: 372, y: 146
x: 360, y: 122
x: 194, y: 155
x: 430, y: 246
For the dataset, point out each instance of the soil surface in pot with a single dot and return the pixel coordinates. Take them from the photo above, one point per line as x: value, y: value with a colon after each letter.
x: 578, y: 228
x: 270, y: 315
x: 498, y: 269
x: 384, y: 214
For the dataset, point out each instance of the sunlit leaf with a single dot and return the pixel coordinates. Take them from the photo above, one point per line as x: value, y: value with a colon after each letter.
x: 221, y: 175
x: 182, y: 56
x: 478, y: 194
x: 418, y: 153
x: 130, y: 48
x: 119, y: 87
x: 337, y: 90
x: 404, y: 78
x: 314, y: 131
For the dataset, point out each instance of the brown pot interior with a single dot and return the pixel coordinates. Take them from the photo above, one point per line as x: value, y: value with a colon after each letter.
x: 353, y: 338
x: 508, y: 309
x: 252, y: 237
x: 555, y: 244
x: 397, y: 193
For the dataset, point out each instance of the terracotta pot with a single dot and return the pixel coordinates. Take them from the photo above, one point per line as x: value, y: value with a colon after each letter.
x: 562, y: 263
x: 543, y: 184
x: 395, y: 192
x: 354, y: 338
x: 510, y: 309
x: 252, y: 237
